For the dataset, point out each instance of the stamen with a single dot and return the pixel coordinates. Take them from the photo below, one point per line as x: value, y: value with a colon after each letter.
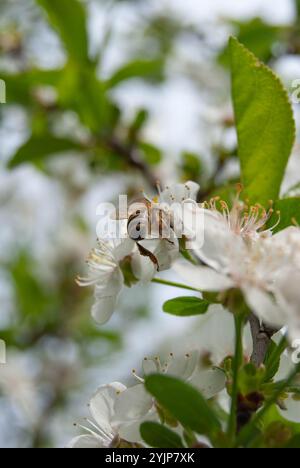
x: 137, y: 376
x: 158, y: 363
x: 158, y: 186
x: 239, y: 188
x: 242, y: 219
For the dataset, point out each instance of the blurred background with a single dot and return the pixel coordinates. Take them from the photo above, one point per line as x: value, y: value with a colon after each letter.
x: 105, y: 97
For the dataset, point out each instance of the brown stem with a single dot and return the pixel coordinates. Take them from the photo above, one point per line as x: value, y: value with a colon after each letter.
x: 261, y: 336
x: 133, y: 158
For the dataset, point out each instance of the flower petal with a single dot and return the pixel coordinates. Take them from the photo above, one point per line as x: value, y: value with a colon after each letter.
x: 177, y: 193
x: 103, y: 309
x: 102, y: 405
x: 131, y: 431
x: 122, y: 248
x: 265, y: 307
x: 292, y: 412
x: 203, y: 278
x: 142, y: 267
x: 132, y: 404
x: 183, y: 365
x: 209, y: 382
x: 165, y: 251
x: 106, y: 294
x: 150, y: 366
x: 215, y: 335
x: 86, y: 442
x: 221, y: 246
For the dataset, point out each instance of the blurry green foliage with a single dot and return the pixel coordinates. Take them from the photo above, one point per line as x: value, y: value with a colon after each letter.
x: 77, y: 87
x: 148, y: 69
x: 277, y: 431
x: 286, y: 213
x: 68, y: 17
x: 42, y: 146
x: 258, y: 36
x: 191, y: 167
x: 152, y: 154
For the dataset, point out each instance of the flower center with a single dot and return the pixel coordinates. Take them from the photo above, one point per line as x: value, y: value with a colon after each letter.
x: 242, y: 219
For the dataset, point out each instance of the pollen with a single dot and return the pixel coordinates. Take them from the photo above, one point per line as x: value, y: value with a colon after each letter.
x: 243, y: 219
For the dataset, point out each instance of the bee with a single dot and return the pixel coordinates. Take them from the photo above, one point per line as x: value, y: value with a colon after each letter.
x: 148, y: 221
x: 139, y: 219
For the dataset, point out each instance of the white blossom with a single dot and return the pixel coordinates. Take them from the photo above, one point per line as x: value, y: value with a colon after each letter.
x: 107, y: 276
x: 136, y: 404
x: 238, y: 253
x: 117, y: 412
x: 178, y: 193
x: 102, y: 431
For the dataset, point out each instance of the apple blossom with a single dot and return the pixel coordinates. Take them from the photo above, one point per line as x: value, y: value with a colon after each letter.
x: 237, y: 253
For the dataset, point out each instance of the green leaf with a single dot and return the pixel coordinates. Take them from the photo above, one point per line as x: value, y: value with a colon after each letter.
x: 288, y: 211
x: 294, y: 443
x: 20, y: 86
x: 257, y: 36
x: 68, y: 17
x: 40, y: 147
x: 147, y: 69
x: 140, y: 119
x: 184, y: 403
x: 186, y: 306
x: 152, y: 154
x: 191, y: 166
x: 159, y: 436
x: 297, y: 5
x: 34, y: 300
x: 226, y: 193
x: 277, y: 431
x: 265, y: 124
x: 81, y: 91
x: 273, y: 357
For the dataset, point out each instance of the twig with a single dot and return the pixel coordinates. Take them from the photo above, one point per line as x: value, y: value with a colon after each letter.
x: 261, y: 337
x: 237, y: 362
x: 174, y: 285
x: 133, y: 158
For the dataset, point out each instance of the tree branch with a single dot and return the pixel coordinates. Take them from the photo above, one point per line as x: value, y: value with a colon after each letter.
x: 133, y: 158
x: 261, y: 336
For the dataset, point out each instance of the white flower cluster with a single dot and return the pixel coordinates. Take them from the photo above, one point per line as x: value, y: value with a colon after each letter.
x: 146, y: 256
x: 117, y: 411
x: 239, y: 253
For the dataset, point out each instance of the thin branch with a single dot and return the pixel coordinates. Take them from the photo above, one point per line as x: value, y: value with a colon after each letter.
x: 261, y: 337
x: 237, y: 362
x: 133, y: 158
x: 174, y: 285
